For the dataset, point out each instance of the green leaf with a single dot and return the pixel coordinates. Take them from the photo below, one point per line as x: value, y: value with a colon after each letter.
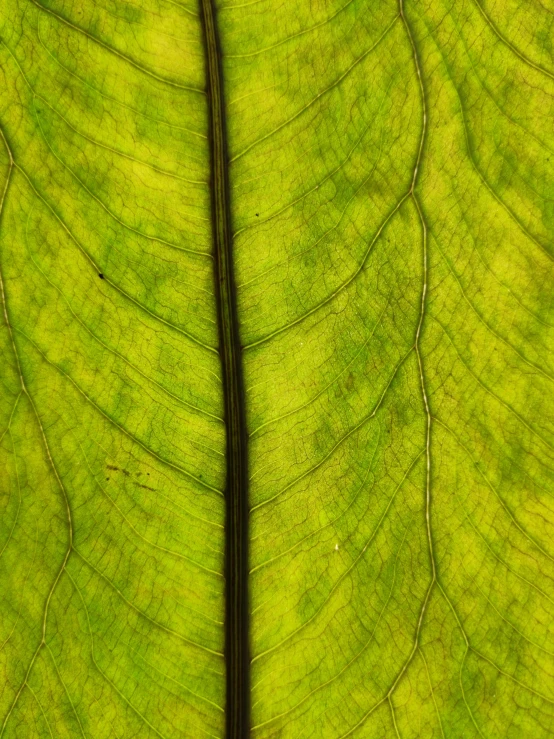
x: 384, y: 184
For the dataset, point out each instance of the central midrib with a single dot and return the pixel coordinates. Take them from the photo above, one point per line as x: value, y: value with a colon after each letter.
x: 237, y: 652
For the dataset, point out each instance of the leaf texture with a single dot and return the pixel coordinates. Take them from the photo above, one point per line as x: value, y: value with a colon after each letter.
x: 390, y: 181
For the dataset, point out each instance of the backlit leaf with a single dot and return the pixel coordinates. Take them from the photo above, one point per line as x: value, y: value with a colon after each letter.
x: 390, y: 183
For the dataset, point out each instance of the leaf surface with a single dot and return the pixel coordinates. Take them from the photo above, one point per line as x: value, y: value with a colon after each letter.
x: 390, y: 181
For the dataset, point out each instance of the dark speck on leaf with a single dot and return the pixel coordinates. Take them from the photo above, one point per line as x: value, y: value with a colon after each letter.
x: 257, y: 215
x: 101, y: 275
